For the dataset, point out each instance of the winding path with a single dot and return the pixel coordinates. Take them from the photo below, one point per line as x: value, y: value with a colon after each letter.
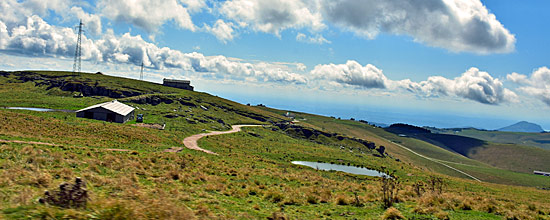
x: 191, y: 141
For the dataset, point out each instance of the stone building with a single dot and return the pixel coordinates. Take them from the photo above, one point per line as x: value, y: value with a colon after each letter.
x: 182, y: 84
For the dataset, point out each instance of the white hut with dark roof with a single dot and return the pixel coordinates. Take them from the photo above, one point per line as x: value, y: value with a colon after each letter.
x: 112, y: 111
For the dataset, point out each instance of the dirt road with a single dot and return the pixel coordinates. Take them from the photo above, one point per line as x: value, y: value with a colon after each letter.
x: 191, y: 141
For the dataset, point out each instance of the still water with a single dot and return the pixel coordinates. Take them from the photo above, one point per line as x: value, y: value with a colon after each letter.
x: 38, y: 109
x: 343, y: 168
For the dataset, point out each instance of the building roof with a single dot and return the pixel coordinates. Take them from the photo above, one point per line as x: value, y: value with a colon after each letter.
x: 177, y: 81
x: 114, y: 106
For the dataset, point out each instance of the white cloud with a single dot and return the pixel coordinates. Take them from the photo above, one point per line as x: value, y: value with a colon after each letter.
x: 317, y: 39
x: 273, y: 16
x: 92, y: 22
x: 194, y: 5
x: 222, y: 30
x: 536, y: 85
x: 42, y: 7
x: 473, y: 84
x: 13, y: 11
x: 4, y: 35
x: 456, y: 25
x: 351, y: 73
x: 151, y: 14
x: 37, y: 37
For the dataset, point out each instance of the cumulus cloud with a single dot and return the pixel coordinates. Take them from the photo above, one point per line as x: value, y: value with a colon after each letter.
x: 473, y: 84
x: 536, y: 85
x: 222, y: 30
x: 273, y: 16
x: 42, y: 7
x: 91, y: 21
x: 151, y: 14
x: 37, y: 37
x: 317, y: 39
x: 14, y: 12
x: 351, y: 73
x: 457, y: 25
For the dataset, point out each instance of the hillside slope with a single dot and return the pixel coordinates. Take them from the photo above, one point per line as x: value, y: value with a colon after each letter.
x: 523, y: 126
x: 129, y: 176
x: 541, y: 140
x: 511, y: 157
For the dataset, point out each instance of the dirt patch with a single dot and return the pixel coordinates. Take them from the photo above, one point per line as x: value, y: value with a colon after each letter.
x: 191, y: 141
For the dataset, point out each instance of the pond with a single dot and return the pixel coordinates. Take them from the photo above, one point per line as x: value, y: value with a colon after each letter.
x: 343, y: 168
x: 37, y: 109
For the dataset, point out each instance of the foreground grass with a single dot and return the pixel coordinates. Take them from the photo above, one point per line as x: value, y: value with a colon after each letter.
x: 252, y: 178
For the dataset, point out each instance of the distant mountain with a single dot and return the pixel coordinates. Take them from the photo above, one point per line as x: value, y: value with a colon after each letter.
x: 523, y: 126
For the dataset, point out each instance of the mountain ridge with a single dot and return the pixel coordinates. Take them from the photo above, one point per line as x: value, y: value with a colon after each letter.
x: 523, y: 126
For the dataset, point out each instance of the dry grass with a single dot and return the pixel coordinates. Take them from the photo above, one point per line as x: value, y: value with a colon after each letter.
x: 392, y: 213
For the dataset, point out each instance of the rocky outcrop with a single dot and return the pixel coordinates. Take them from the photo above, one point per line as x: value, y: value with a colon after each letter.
x: 152, y: 99
x: 312, y: 134
x: 64, y: 83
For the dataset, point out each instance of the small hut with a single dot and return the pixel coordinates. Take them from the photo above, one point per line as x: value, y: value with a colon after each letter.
x: 112, y: 111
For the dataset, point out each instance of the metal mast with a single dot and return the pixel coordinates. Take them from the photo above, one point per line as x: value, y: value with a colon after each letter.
x: 141, y: 74
x: 78, y: 50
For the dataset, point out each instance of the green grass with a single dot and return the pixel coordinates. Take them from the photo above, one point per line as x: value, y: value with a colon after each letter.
x: 541, y: 140
x: 252, y: 178
x: 489, y: 166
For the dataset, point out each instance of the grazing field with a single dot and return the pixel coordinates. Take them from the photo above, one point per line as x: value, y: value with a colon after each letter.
x: 541, y: 140
x: 251, y: 177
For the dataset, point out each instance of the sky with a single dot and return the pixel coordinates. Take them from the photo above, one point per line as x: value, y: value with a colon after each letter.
x: 444, y: 63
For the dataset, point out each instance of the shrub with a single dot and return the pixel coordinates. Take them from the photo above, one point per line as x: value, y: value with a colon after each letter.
x: 68, y: 195
x: 341, y: 200
x: 274, y: 197
x: 392, y: 213
x: 390, y: 189
x: 442, y: 215
x: 311, y: 199
x: 277, y: 216
x: 465, y: 205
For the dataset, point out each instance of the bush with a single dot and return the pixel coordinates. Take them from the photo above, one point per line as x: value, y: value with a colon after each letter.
x: 274, y: 197
x: 311, y: 199
x: 442, y: 215
x: 68, y: 195
x: 390, y: 189
x: 341, y: 200
x: 392, y: 213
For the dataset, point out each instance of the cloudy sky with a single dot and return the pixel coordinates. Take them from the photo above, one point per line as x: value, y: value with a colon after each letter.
x: 467, y: 58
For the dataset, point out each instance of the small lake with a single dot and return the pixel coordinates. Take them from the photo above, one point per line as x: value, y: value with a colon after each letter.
x: 338, y: 167
x: 37, y: 109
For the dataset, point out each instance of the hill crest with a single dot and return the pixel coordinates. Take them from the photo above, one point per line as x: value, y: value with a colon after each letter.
x: 523, y: 126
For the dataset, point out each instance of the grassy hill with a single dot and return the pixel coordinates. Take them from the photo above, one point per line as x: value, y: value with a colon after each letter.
x: 252, y: 178
x: 523, y: 126
x: 541, y: 140
x: 512, y: 157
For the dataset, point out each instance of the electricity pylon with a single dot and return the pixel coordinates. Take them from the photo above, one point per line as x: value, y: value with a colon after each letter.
x: 141, y: 73
x: 77, y: 67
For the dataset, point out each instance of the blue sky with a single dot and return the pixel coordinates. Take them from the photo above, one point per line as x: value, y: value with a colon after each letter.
x: 461, y: 59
